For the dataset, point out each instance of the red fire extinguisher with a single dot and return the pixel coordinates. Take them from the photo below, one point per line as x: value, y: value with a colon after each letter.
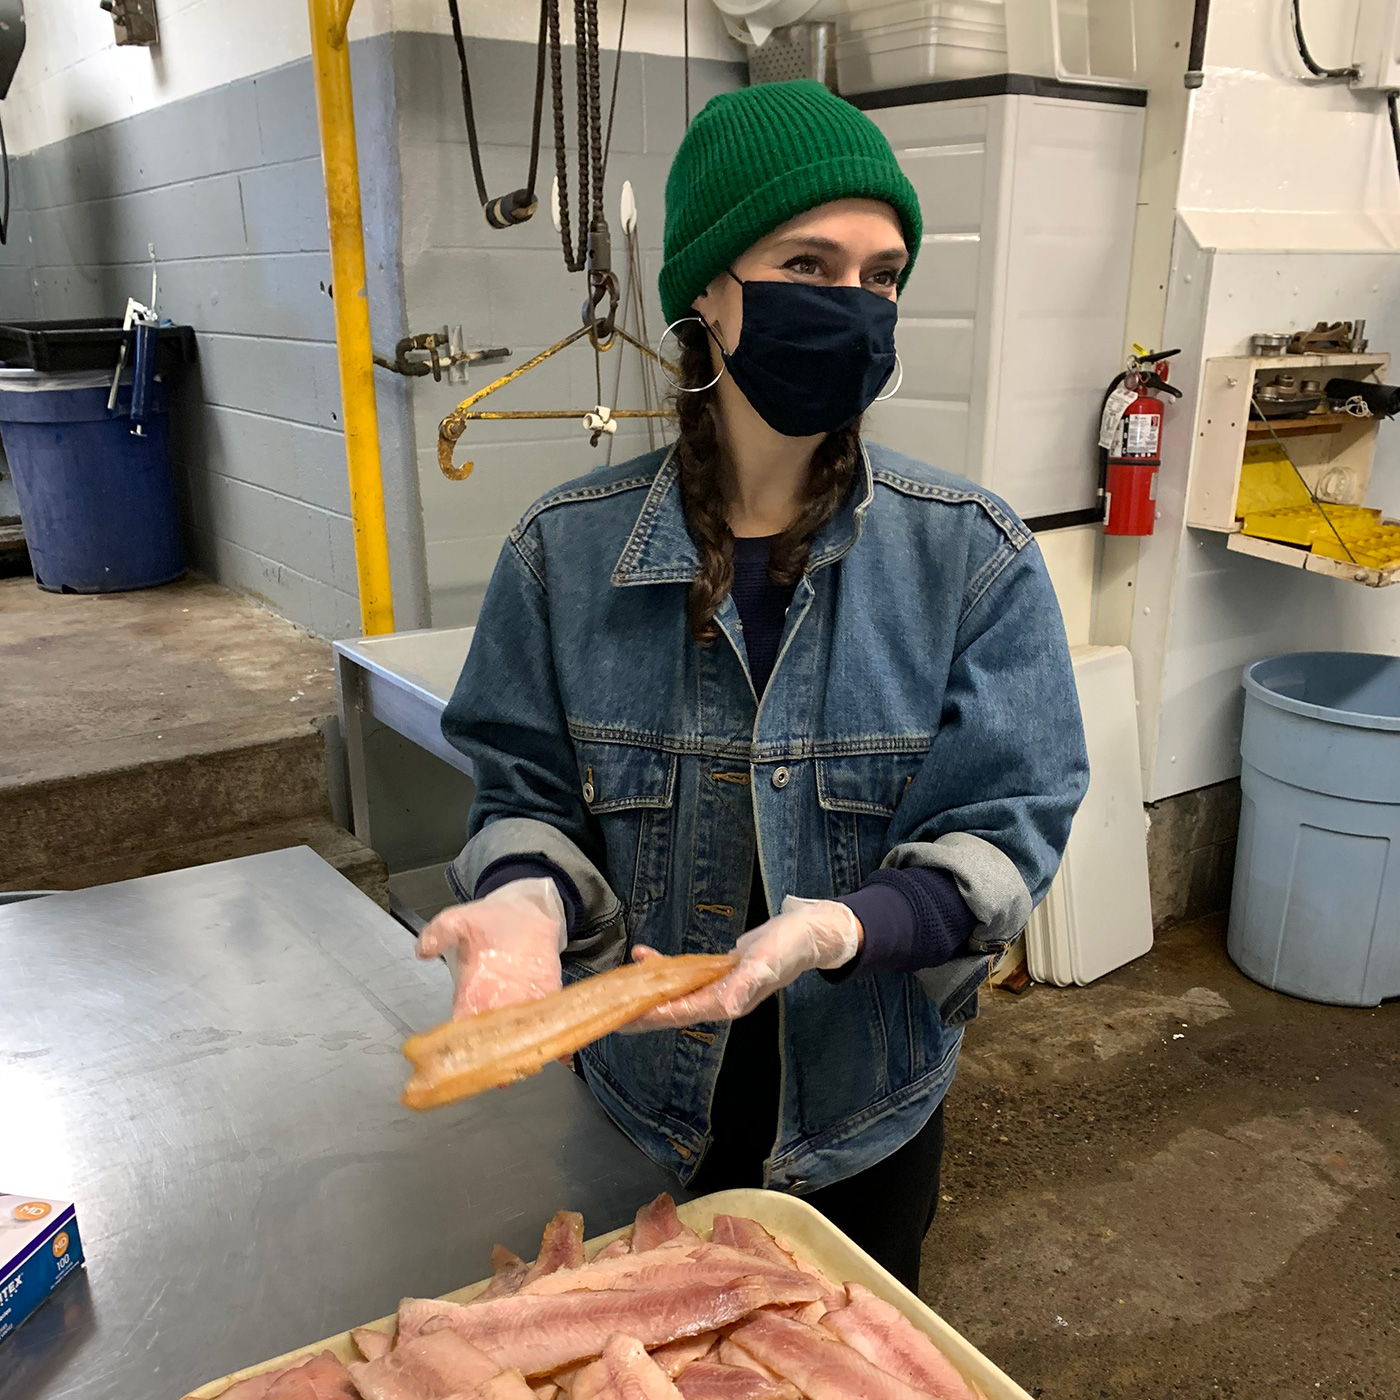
x: 1131, y: 439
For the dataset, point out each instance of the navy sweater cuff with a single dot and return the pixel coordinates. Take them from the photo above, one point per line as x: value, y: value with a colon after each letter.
x: 912, y: 919
x: 532, y: 867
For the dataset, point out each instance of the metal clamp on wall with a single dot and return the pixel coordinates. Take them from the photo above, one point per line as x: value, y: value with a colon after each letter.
x: 419, y: 355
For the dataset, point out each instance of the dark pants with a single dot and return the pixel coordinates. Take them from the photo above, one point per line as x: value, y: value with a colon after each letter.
x: 886, y: 1209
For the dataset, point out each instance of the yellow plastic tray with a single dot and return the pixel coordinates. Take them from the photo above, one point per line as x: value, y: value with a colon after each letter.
x: 810, y: 1234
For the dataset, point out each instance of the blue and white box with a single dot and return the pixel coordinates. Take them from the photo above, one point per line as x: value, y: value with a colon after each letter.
x: 39, y: 1248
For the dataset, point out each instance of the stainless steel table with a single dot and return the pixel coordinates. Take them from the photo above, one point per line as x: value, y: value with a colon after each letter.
x: 403, y: 680
x: 410, y: 806
x: 208, y: 1063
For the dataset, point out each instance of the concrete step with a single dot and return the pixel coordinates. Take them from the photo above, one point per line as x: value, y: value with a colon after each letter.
x: 89, y: 817
x: 149, y: 731
x: 360, y: 865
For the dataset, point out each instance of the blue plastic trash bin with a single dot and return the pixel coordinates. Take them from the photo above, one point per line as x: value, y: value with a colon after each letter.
x: 1316, y: 905
x: 97, y: 501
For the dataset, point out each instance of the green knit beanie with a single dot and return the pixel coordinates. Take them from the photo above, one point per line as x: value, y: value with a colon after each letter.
x: 755, y: 158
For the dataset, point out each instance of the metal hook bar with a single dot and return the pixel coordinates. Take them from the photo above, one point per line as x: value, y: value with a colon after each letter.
x: 455, y: 423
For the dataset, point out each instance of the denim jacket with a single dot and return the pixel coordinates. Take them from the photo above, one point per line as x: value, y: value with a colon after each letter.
x: 922, y: 711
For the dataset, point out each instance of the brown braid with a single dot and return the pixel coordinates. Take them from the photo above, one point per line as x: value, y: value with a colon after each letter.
x: 703, y: 494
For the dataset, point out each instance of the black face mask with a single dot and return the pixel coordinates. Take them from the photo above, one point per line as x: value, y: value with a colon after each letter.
x: 812, y: 359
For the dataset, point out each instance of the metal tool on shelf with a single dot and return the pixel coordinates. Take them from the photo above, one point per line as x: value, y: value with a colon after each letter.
x: 1330, y: 338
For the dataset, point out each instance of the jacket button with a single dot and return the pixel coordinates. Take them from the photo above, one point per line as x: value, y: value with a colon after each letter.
x: 588, y: 792
x: 781, y: 777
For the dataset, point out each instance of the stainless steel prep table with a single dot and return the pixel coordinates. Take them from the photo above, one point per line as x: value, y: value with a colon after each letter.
x: 406, y: 805
x: 208, y: 1063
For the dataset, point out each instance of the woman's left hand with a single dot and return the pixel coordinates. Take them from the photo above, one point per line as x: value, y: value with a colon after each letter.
x: 807, y: 934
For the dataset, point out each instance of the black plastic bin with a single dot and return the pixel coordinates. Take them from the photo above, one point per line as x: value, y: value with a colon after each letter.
x: 55, y: 346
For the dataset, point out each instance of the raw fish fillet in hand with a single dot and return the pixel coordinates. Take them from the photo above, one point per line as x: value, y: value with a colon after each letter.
x: 498, y: 1047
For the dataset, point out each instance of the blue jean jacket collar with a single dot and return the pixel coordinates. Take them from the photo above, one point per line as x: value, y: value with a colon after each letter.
x: 660, y: 549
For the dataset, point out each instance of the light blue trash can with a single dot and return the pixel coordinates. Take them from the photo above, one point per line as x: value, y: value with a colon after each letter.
x: 1316, y: 905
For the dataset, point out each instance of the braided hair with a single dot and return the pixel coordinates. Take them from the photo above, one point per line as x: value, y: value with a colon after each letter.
x: 702, y: 490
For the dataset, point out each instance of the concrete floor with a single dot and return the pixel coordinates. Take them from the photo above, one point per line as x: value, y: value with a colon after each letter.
x: 109, y: 680
x: 1175, y: 1183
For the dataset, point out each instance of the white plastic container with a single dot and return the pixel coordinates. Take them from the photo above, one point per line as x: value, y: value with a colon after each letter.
x: 899, y: 57
x: 1075, y: 41
x: 860, y: 18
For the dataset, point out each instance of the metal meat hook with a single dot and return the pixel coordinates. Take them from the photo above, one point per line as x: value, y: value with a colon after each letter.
x: 596, y: 419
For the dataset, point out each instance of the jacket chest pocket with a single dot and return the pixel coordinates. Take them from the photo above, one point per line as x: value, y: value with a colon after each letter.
x: 858, y: 794
x: 630, y: 791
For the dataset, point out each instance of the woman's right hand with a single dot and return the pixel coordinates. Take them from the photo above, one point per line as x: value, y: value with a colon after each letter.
x: 503, y: 948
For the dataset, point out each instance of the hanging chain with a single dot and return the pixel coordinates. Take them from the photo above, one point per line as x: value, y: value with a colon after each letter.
x: 590, y: 133
x: 593, y: 250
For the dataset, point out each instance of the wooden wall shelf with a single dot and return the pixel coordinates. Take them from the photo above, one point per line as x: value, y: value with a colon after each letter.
x: 1300, y: 427
x: 1332, y: 448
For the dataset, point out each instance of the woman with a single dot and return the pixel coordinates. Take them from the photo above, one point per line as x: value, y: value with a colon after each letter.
x: 776, y: 680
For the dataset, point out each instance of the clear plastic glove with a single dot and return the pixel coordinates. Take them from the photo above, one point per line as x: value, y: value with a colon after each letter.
x: 807, y: 934
x: 503, y: 948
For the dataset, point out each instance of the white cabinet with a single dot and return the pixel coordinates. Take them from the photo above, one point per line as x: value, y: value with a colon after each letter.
x: 1012, y: 324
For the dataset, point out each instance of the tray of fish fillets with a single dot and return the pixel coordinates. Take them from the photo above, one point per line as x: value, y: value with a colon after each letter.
x: 742, y: 1295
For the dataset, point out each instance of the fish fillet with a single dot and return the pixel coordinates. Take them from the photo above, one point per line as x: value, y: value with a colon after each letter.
x: 393, y: 1385
x: 508, y: 1273
x: 540, y: 1334
x: 505, y: 1385
x: 670, y: 1265
x: 817, y: 1364
x: 321, y: 1377
x: 711, y: 1380
x: 809, y: 1313
x: 883, y: 1335
x: 561, y: 1247
x: 658, y: 1224
x: 739, y: 1232
x: 495, y: 1048
x: 544, y: 1390
x: 371, y: 1344
x: 727, y: 1354
x: 416, y: 1313
x: 674, y: 1357
x: 621, y: 1245
x: 434, y: 1365
x: 623, y: 1372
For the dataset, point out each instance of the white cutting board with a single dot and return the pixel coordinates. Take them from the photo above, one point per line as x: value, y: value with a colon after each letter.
x: 1098, y: 914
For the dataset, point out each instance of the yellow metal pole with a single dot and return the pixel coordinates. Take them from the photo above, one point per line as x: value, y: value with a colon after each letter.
x: 330, y: 59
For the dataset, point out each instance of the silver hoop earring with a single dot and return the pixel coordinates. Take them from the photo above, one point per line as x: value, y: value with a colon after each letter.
x: 677, y: 386
x: 899, y: 379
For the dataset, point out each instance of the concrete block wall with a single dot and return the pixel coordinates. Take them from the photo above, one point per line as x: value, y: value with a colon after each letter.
x: 511, y: 287
x: 227, y: 185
